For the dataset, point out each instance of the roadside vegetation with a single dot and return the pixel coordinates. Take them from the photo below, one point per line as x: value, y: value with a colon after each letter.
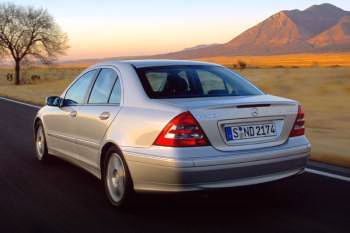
x: 324, y: 92
x: 283, y: 61
x: 325, y: 95
x: 51, y: 81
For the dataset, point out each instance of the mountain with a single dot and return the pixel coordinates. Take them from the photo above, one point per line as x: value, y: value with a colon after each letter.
x: 201, y: 46
x: 319, y: 28
x: 317, y: 18
x: 338, y: 36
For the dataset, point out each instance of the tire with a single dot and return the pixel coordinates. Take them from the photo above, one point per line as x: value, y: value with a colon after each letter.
x: 116, y: 179
x: 40, y: 143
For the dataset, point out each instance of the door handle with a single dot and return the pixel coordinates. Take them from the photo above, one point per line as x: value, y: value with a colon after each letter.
x: 104, y: 116
x: 73, y: 113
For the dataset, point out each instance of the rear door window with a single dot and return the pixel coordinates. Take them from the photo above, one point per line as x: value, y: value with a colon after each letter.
x: 116, y: 93
x: 102, y: 88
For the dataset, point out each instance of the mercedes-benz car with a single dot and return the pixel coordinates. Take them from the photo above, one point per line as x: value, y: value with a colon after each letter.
x: 171, y: 126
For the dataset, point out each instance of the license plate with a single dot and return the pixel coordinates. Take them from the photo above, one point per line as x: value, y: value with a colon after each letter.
x: 250, y: 131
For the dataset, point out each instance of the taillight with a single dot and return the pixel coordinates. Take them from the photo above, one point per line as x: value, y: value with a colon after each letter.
x: 298, y: 128
x: 182, y: 131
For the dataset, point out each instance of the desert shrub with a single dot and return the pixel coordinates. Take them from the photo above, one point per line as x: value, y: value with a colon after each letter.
x: 35, y: 77
x: 9, y: 77
x: 279, y: 67
x: 315, y: 64
x: 242, y: 64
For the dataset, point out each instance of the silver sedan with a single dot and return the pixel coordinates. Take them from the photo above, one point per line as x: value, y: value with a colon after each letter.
x: 171, y: 126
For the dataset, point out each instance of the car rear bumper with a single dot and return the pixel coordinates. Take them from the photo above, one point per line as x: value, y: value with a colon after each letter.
x: 165, y: 174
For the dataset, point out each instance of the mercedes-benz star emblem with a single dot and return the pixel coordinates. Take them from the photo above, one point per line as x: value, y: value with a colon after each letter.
x: 254, y: 112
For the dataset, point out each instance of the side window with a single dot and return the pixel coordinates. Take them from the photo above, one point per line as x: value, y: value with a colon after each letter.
x: 116, y: 93
x: 77, y: 92
x: 103, y: 86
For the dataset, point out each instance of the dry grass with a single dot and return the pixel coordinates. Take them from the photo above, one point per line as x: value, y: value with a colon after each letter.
x: 291, y: 60
x: 52, y: 82
x: 325, y: 93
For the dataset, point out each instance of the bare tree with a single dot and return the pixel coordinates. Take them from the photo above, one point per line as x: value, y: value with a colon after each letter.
x: 30, y: 33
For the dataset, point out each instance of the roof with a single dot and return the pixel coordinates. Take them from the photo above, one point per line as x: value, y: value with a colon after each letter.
x: 158, y: 62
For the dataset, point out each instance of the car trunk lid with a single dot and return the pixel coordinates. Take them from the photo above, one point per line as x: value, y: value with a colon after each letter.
x: 220, y: 115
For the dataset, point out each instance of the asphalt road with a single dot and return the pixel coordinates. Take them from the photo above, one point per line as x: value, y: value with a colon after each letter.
x: 59, y: 197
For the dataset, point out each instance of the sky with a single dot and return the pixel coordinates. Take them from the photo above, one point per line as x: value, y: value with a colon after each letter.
x: 112, y: 28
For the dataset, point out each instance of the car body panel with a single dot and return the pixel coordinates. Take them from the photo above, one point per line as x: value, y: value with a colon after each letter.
x: 188, y: 170
x: 91, y: 130
x: 60, y: 129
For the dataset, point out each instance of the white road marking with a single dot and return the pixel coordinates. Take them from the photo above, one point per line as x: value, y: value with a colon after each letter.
x: 331, y: 175
x: 19, y: 102
x: 317, y: 172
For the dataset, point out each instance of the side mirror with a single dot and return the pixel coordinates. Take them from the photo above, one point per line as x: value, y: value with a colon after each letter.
x: 54, y: 101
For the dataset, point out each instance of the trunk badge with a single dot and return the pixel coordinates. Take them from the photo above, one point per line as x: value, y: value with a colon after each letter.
x: 254, y: 112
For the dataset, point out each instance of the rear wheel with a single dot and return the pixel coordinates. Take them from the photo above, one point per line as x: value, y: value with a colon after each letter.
x: 40, y: 143
x: 116, y: 178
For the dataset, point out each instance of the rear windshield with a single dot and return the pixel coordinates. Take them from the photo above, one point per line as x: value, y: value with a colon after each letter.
x: 193, y: 81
